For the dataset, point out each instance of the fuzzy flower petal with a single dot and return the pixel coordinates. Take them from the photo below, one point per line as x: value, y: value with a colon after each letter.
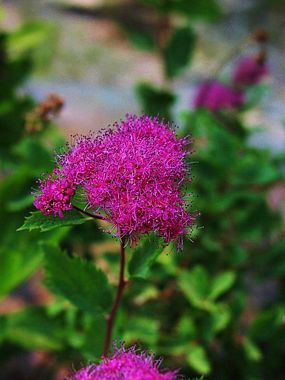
x: 125, y: 365
x: 217, y: 96
x: 249, y: 71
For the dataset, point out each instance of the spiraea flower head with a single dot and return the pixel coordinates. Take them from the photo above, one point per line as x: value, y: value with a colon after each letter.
x: 216, y: 96
x: 249, y: 71
x: 133, y: 175
x: 125, y: 364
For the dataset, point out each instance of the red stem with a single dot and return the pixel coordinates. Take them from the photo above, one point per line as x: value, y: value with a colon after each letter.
x: 121, y: 286
x: 94, y: 216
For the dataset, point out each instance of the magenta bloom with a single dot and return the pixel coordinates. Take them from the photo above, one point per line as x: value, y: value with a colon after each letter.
x: 55, y: 196
x: 249, y: 71
x: 133, y: 175
x: 217, y: 96
x: 125, y: 365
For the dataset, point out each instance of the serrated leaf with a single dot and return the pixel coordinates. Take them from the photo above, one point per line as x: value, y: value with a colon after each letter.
x: 144, y: 256
x: 179, y: 51
x: 37, y: 220
x: 198, y: 360
x: 221, y: 283
x: 76, y: 280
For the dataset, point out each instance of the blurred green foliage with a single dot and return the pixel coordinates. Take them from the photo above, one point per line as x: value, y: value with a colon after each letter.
x: 217, y: 308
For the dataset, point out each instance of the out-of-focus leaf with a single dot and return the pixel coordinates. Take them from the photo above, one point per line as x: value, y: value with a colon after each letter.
x: 37, y: 220
x: 78, y: 281
x: 33, y: 329
x: 221, y: 283
x: 186, y: 327
x: 33, y: 153
x: 220, y: 317
x: 179, y: 51
x: 140, y: 38
x: 249, y: 172
x: 143, y: 329
x: 195, y: 285
x: 195, y: 9
x: 198, y: 360
x: 144, y: 256
x: 16, y: 264
x: 267, y: 323
x: 20, y: 203
x: 155, y: 101
x: 27, y: 37
x: 251, y: 350
x: 93, y: 337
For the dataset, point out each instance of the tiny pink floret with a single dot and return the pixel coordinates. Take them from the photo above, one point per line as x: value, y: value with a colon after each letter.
x: 125, y: 365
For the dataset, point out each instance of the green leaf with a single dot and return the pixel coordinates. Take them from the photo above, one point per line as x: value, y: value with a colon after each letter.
x: 32, y: 328
x: 251, y: 350
x: 140, y: 328
x: 198, y: 360
x: 197, y: 9
x: 186, y: 327
x: 195, y: 285
x: 144, y: 256
x: 267, y: 323
x: 93, y: 337
x: 27, y: 37
x: 179, y: 51
x: 20, y: 203
x: 16, y: 264
x: 79, y: 281
x: 155, y: 101
x: 33, y: 153
x: 194, y: 9
x: 37, y: 220
x: 221, y: 283
x: 220, y: 317
x: 140, y: 38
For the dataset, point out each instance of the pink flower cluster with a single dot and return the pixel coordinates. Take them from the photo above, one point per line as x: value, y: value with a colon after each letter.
x: 216, y: 96
x: 133, y: 174
x: 55, y: 196
x: 249, y: 71
x: 125, y: 365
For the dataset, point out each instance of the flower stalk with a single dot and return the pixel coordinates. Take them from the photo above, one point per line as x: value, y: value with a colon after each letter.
x: 120, y: 289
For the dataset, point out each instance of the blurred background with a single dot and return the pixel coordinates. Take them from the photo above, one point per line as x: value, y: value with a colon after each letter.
x: 217, y: 309
x: 91, y: 58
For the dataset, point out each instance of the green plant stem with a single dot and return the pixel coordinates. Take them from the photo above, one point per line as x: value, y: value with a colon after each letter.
x: 121, y: 286
x: 94, y: 216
